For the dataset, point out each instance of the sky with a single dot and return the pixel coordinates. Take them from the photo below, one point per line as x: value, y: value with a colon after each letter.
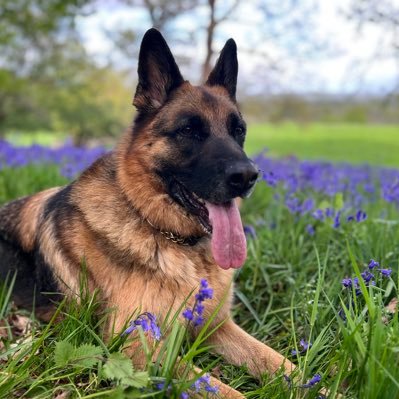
x: 347, y: 61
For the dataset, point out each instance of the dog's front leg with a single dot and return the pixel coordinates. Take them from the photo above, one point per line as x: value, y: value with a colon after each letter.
x: 239, y: 348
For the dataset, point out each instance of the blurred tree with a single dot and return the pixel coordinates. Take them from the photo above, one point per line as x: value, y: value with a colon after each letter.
x: 48, y: 81
x: 384, y: 13
x: 290, y: 107
x: 278, y: 22
x: 30, y: 28
x: 356, y: 113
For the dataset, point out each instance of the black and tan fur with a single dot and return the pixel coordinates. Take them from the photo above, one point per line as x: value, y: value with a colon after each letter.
x: 113, y: 214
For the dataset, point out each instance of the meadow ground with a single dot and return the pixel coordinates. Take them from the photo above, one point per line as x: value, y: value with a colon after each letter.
x: 308, y: 288
x: 374, y: 144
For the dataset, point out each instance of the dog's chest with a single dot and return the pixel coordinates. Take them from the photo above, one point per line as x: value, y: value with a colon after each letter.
x: 176, y: 281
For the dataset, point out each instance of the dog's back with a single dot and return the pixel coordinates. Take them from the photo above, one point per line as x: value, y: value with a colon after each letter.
x: 36, y: 232
x: 19, y: 223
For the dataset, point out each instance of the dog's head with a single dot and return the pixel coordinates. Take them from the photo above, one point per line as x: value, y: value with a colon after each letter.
x: 194, y: 137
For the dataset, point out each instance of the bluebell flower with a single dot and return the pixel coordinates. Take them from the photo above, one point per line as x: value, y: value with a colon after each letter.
x: 367, y: 276
x: 312, y: 382
x: 347, y: 282
x: 184, y: 395
x: 188, y: 314
x: 148, y: 322
x: 307, y: 206
x: 337, y: 221
x: 318, y: 214
x: 198, y: 321
x: 270, y: 179
x: 341, y: 314
x: 360, y: 216
x: 205, y: 292
x: 195, y: 315
x: 288, y: 380
x: 204, y: 383
x: 385, y: 272
x: 293, y: 205
x: 310, y: 230
x: 373, y: 264
x: 250, y: 231
x: 199, y: 308
x: 305, y: 345
x: 304, y: 348
x: 329, y: 212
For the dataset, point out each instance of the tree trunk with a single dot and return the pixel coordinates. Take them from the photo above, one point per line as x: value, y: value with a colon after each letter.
x: 210, y: 32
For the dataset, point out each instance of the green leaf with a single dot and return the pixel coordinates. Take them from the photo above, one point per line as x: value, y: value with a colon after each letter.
x: 324, y: 204
x: 84, y: 356
x: 119, y: 367
x: 87, y: 355
x: 138, y: 380
x: 339, y: 201
x: 63, y: 352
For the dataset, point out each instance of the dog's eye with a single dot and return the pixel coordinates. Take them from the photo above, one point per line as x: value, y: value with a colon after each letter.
x: 186, y: 130
x: 239, y: 131
x: 192, y: 133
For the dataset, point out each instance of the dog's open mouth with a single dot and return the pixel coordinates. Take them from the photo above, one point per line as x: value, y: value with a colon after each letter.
x: 222, y: 221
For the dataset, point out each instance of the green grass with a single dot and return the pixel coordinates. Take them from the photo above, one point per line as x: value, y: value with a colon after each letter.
x: 42, y: 137
x: 375, y: 144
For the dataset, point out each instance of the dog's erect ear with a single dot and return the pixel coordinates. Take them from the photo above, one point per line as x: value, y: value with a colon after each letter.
x: 226, y: 69
x: 158, y: 73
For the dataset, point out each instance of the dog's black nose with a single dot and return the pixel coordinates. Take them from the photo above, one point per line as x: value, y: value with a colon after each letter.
x: 241, y: 177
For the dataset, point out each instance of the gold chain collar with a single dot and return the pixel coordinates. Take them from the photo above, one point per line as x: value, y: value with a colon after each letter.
x: 176, y: 238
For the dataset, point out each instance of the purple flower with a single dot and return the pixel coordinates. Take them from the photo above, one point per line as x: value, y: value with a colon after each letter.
x: 148, y: 322
x: 360, y: 216
x: 337, y: 221
x: 204, y: 383
x: 250, y: 231
x: 310, y: 230
x: 347, y: 282
x: 304, y: 345
x: 385, y: 272
x: 288, y: 380
x: 329, y: 212
x: 307, y: 205
x: 195, y: 314
x: 318, y: 214
x: 270, y: 179
x: 373, y: 264
x: 293, y: 205
x: 198, y: 321
x: 313, y: 381
x: 199, y: 308
x: 188, y: 314
x: 184, y: 395
x: 205, y: 292
x: 350, y: 218
x: 367, y: 276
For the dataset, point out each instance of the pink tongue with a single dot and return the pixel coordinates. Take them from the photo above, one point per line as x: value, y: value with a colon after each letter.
x: 229, y: 247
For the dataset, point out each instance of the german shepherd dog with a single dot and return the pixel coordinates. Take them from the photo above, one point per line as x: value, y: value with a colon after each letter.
x: 155, y: 215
